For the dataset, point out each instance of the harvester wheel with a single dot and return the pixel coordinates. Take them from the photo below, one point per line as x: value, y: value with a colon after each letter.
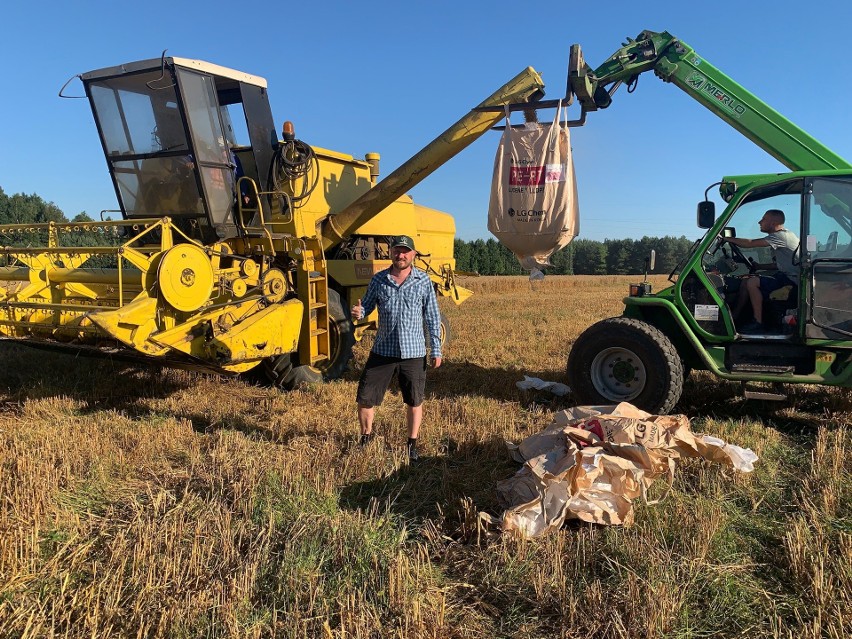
x: 282, y: 373
x: 301, y: 376
x: 626, y: 360
x: 277, y: 368
x: 446, y: 333
x: 342, y: 337
x: 285, y: 372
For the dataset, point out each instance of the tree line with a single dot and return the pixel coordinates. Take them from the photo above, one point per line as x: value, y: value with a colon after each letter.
x: 580, y: 257
x: 31, y: 209
x: 486, y: 257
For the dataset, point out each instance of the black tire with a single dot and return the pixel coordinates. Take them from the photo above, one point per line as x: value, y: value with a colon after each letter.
x: 446, y: 333
x: 284, y: 371
x: 622, y: 359
x: 341, y: 337
x: 300, y: 376
x: 281, y: 372
x: 276, y: 369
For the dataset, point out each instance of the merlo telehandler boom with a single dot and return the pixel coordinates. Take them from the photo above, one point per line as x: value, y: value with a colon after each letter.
x: 674, y: 61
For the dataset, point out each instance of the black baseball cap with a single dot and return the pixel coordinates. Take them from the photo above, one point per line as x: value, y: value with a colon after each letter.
x: 403, y: 240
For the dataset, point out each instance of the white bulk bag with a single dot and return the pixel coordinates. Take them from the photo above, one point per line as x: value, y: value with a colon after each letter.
x: 533, y: 209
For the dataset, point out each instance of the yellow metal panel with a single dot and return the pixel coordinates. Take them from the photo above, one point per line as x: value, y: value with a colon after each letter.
x: 131, y: 324
x: 342, y: 179
x: 355, y: 272
x: 457, y: 293
x: 436, y: 232
x: 396, y: 219
x: 232, y: 344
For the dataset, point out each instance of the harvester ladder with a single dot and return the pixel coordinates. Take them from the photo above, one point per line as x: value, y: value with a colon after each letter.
x: 252, y: 211
x: 311, y: 274
x: 312, y: 285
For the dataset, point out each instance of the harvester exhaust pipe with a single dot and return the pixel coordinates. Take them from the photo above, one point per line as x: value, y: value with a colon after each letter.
x: 525, y: 86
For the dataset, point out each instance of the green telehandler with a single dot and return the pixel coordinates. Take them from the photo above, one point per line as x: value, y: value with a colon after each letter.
x: 644, y: 355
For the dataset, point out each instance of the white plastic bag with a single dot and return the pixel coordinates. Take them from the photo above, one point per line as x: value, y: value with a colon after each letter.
x: 536, y: 383
x: 533, y: 209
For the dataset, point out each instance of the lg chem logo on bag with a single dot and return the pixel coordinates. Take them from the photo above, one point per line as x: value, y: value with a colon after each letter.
x: 525, y: 215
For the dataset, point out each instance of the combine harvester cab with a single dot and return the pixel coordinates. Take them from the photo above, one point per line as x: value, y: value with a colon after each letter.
x: 235, y: 250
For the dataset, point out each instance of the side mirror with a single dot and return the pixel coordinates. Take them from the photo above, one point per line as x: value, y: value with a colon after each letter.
x: 650, y: 263
x: 706, y: 214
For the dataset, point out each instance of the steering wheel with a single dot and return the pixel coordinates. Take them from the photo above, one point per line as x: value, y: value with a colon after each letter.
x: 736, y: 254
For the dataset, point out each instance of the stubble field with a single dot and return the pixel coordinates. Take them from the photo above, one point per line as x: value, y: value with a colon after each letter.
x: 137, y: 502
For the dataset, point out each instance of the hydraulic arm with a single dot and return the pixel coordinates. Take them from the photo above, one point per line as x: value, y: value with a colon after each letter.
x: 674, y: 61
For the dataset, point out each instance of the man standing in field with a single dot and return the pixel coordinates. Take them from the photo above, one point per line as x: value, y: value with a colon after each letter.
x: 406, y: 299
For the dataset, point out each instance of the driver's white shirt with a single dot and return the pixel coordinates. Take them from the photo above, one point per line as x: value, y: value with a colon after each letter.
x: 784, y: 245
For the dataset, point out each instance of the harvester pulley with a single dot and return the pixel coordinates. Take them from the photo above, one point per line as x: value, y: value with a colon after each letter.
x: 186, y: 277
x: 273, y: 285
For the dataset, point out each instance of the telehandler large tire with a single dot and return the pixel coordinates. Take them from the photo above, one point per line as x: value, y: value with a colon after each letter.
x: 625, y: 360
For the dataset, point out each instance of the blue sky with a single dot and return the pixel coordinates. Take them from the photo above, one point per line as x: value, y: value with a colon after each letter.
x: 389, y: 76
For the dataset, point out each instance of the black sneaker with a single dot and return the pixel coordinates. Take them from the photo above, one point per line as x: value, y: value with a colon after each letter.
x: 753, y: 328
x: 366, y: 438
x: 413, y: 455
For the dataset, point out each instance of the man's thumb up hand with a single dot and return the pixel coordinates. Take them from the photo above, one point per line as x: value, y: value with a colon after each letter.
x: 357, y: 311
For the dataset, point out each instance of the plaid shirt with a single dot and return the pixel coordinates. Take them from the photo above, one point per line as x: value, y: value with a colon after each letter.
x: 402, y: 311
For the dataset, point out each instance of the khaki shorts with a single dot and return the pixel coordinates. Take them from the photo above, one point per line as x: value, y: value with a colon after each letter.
x: 378, y: 373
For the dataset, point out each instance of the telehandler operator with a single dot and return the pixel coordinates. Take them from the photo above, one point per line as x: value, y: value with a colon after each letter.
x: 755, y: 288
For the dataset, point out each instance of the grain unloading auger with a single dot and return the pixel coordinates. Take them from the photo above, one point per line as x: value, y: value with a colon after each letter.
x: 235, y: 250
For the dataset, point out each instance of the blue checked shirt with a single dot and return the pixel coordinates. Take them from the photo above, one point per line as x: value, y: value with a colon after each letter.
x: 402, y: 311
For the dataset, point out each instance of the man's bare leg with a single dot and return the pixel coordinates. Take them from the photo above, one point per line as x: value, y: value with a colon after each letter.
x: 753, y: 287
x: 365, y: 418
x: 742, y: 297
x: 413, y: 417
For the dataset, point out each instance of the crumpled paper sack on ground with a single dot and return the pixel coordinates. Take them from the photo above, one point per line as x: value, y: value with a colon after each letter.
x: 593, y: 461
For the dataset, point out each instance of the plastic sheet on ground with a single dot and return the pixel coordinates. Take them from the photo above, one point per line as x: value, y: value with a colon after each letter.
x: 592, y: 462
x: 535, y: 383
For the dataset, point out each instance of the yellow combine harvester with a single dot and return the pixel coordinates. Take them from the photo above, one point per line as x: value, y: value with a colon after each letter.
x: 235, y: 250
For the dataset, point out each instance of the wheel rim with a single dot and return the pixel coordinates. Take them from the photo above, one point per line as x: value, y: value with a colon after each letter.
x: 618, y: 374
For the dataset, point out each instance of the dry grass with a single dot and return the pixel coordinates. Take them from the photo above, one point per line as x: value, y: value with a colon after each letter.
x: 144, y: 503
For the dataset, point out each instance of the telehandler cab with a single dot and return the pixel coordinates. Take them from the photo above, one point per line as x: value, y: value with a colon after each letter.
x: 236, y: 250
x: 643, y: 356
